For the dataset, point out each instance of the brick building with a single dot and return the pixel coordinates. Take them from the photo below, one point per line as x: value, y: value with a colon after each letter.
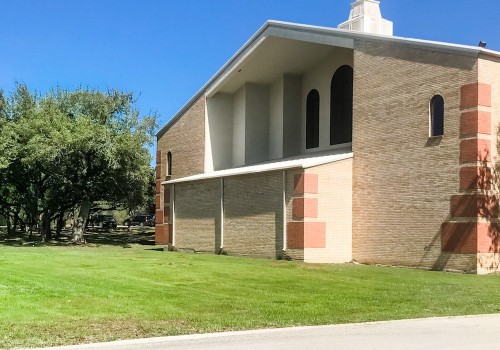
x: 332, y: 145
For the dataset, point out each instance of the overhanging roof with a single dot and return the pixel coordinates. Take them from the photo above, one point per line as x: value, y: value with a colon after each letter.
x: 274, y: 57
x: 322, y: 38
x: 299, y: 162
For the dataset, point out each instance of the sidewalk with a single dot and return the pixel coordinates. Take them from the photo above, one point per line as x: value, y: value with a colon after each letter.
x: 469, y: 332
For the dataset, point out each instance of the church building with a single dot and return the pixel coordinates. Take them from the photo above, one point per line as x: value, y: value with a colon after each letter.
x: 333, y: 145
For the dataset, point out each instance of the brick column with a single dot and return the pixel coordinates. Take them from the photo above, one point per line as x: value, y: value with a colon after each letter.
x: 162, y: 227
x: 302, y: 230
x: 471, y: 228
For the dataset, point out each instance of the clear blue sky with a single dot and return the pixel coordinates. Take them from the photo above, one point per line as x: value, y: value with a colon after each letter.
x: 165, y: 50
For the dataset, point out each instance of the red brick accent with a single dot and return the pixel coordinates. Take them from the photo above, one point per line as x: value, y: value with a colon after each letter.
x: 484, y: 95
x: 470, y: 237
x: 305, y: 208
x: 488, y: 237
x: 162, y: 234
x: 314, y: 235
x: 475, y: 178
x: 157, y: 201
x: 158, y: 186
x: 474, y: 205
x: 302, y: 235
x: 295, y: 235
x: 158, y: 156
x: 166, y: 195
x: 158, y: 171
x: 159, y: 216
x: 474, y: 150
x: 476, y: 94
x: 459, y: 237
x: 306, y: 183
x: 475, y: 122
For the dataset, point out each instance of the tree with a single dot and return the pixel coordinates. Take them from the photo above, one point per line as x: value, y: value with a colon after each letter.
x: 68, y: 150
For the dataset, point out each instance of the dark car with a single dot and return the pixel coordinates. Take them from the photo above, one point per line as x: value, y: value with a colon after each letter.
x: 102, y: 221
x: 141, y: 220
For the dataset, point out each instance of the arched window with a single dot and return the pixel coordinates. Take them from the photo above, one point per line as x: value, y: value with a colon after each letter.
x: 312, y: 119
x: 341, y: 106
x: 169, y: 164
x: 436, y: 111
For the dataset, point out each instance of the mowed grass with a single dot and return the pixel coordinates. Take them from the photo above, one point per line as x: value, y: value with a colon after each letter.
x: 72, y: 295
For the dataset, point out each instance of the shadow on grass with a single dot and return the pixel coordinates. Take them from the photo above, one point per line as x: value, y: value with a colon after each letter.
x: 156, y: 249
x: 121, y: 237
x: 115, y: 237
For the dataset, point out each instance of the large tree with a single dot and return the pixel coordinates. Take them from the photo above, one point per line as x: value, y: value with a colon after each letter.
x: 67, y: 150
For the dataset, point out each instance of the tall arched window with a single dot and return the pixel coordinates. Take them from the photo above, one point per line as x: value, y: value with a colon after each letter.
x: 312, y: 119
x: 436, y: 112
x: 169, y: 164
x: 341, y: 106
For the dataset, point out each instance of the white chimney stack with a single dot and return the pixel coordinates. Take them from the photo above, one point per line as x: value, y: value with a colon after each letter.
x: 366, y: 17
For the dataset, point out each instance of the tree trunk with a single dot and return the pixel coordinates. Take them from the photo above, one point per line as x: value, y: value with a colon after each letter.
x: 14, y: 224
x: 9, y: 227
x: 34, y: 221
x: 46, y: 231
x: 80, y: 225
x: 60, y: 225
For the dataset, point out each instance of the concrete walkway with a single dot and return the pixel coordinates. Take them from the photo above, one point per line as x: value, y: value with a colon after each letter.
x: 470, y: 332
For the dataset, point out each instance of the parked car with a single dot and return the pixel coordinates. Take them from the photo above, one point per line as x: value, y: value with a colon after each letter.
x: 140, y: 220
x: 102, y: 221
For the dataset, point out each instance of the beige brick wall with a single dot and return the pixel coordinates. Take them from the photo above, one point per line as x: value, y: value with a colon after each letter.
x: 403, y: 179
x: 197, y: 216
x: 253, y: 215
x: 489, y: 73
x: 186, y: 140
x: 335, y: 209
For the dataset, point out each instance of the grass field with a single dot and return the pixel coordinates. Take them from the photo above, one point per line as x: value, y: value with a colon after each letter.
x: 70, y: 295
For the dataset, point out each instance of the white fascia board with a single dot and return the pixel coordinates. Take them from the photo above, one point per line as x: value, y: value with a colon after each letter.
x: 316, y: 38
x: 309, y: 33
x: 302, y: 163
x: 355, y: 35
x: 321, y: 35
x: 489, y: 53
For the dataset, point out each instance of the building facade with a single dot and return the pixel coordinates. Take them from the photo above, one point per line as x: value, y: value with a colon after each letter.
x: 338, y: 145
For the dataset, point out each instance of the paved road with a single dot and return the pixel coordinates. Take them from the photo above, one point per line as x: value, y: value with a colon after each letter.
x: 473, y: 332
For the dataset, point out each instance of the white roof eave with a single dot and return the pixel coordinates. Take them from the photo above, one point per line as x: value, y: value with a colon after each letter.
x: 301, y: 163
x: 316, y: 34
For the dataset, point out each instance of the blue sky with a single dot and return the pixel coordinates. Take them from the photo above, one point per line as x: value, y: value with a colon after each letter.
x: 165, y: 50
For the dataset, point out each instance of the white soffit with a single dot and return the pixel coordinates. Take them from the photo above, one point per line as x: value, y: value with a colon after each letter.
x: 274, y: 57
x: 279, y: 51
x: 303, y: 162
x: 311, y: 36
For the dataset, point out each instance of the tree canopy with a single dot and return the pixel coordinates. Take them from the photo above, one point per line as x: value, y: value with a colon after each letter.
x: 66, y: 150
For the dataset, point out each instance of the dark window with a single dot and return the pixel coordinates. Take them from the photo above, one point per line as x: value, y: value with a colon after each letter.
x: 437, y: 115
x: 312, y: 119
x: 169, y: 164
x: 341, y: 106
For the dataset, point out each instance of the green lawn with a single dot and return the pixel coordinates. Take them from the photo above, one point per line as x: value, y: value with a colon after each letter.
x: 68, y: 295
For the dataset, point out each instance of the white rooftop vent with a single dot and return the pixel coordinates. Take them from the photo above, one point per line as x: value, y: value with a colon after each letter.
x: 366, y: 17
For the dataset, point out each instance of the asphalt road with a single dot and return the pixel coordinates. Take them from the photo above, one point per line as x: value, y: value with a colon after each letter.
x: 472, y: 332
